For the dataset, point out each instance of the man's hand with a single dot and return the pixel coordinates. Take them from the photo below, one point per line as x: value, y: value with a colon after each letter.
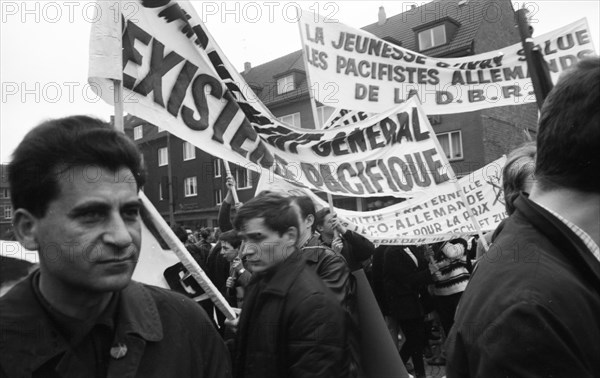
x: 337, y: 244
x: 230, y: 283
x: 233, y: 324
x: 237, y: 264
x: 336, y: 224
x: 230, y: 183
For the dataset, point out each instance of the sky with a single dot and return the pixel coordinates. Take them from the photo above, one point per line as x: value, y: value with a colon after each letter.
x: 44, y: 47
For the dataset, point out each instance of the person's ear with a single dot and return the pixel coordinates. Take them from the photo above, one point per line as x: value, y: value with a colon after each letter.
x: 25, y: 227
x: 310, y: 220
x: 292, y: 234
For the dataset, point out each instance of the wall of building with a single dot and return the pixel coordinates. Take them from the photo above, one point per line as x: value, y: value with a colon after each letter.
x: 302, y: 105
x: 507, y: 127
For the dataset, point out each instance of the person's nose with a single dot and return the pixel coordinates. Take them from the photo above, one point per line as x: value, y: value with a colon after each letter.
x: 117, y: 233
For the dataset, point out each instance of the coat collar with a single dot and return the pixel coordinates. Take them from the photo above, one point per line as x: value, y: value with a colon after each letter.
x: 561, y: 236
x: 29, y: 338
x: 312, y: 249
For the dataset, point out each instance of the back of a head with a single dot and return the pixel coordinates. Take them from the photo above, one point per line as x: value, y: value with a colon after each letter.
x: 50, y: 150
x: 180, y: 232
x: 205, y: 233
x: 276, y: 210
x: 568, y: 139
x: 519, y: 167
x: 306, y: 206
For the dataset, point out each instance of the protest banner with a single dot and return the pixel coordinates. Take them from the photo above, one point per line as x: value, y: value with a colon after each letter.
x: 353, y: 69
x: 175, y: 77
x: 435, y: 216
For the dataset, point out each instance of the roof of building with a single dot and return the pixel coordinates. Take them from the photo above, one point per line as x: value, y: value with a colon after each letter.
x: 466, y: 14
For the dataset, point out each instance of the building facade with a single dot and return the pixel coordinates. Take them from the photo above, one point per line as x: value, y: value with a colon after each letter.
x: 186, y: 184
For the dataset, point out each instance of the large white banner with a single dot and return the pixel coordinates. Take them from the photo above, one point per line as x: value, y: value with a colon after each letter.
x: 176, y: 77
x: 353, y: 69
x: 437, y: 215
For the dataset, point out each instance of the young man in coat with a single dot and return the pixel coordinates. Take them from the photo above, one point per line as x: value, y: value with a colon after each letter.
x: 291, y: 325
x: 74, y: 185
x: 531, y: 308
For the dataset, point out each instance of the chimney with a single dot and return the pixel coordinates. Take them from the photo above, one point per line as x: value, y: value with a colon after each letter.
x: 247, y: 67
x: 382, y: 18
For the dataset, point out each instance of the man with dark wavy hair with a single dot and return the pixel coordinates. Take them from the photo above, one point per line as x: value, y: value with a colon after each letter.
x: 531, y: 308
x: 74, y: 184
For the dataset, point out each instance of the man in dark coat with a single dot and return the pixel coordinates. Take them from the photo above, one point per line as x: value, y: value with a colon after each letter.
x: 291, y: 325
x: 531, y: 308
x: 332, y: 268
x: 74, y: 183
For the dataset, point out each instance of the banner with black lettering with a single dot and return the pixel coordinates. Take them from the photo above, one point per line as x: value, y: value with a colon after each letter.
x: 176, y: 77
x: 437, y: 215
x: 353, y: 69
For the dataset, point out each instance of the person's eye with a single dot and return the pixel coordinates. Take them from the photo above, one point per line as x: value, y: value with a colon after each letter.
x: 91, y: 216
x: 131, y: 213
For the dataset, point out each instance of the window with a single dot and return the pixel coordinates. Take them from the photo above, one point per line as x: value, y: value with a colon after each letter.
x: 8, y: 212
x: 242, y: 178
x: 433, y: 37
x: 190, y: 186
x: 138, y: 132
x: 291, y: 119
x: 163, y: 156
x: 160, y: 192
x: 189, y: 151
x: 217, y: 167
x: 323, y: 113
x: 218, y: 194
x: 285, y: 84
x: 451, y: 144
x: 5, y: 193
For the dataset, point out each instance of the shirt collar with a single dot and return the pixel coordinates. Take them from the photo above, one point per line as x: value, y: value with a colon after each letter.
x: 584, y: 236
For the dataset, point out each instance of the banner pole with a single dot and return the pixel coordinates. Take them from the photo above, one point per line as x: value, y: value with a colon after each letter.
x: 453, y: 176
x: 536, y: 65
x: 118, y: 96
x: 186, y: 258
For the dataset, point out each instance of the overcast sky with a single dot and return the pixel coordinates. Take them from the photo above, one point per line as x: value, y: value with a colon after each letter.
x: 44, y: 47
